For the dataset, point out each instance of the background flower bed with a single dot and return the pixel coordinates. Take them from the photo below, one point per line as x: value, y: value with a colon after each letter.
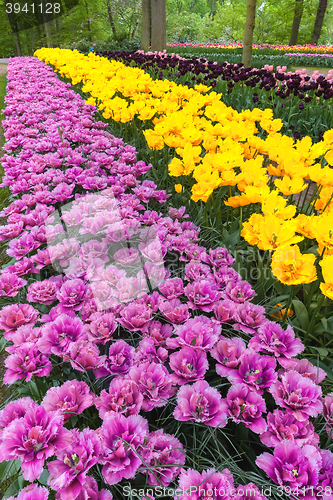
x: 215, y: 295
x: 299, y: 100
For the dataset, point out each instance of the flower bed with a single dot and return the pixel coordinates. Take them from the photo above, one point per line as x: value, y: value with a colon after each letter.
x: 298, y: 99
x: 116, y: 330
x: 261, y: 47
x: 212, y: 142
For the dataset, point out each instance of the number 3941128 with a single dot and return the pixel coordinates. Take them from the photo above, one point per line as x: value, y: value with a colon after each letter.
x: 48, y: 8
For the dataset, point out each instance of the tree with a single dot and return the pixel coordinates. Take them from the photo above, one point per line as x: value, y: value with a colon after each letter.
x: 319, y: 21
x: 299, y: 7
x: 153, y: 24
x: 248, y: 32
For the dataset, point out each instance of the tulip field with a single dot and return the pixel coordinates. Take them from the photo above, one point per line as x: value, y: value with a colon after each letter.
x: 166, y: 314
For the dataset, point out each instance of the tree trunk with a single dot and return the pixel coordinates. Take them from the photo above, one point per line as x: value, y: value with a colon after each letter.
x: 145, y: 25
x: 39, y: 33
x: 158, y: 25
x: 48, y: 34
x: 248, y: 32
x: 212, y: 8
x: 111, y: 19
x: 88, y: 22
x: 33, y: 42
x: 17, y: 45
x: 296, y: 22
x: 318, y: 22
x: 135, y: 29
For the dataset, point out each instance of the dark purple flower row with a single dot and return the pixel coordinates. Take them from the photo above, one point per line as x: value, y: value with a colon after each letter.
x: 129, y: 296
x: 284, y: 84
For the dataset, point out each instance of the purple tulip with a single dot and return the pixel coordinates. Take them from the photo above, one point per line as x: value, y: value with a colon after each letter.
x: 248, y: 317
x: 199, y: 333
x: 154, y: 382
x: 272, y: 339
x: 201, y: 403
x: 121, y: 439
x: 70, y: 398
x: 188, y: 365
x: 202, y: 295
x: 16, y: 315
x: 69, y: 471
x: 298, y: 394
x: 254, y: 370
x: 292, y: 466
x: 32, y: 492
x: 164, y: 455
x: 246, y: 406
x: 123, y: 397
x: 198, y: 486
x: 34, y: 438
x: 282, y: 425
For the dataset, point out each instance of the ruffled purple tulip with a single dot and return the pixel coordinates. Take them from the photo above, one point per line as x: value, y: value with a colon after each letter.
x: 239, y: 292
x: 248, y: 317
x: 147, y: 351
x: 172, y: 288
x: 16, y: 315
x: 207, y: 485
x: 32, y: 492
x: 324, y: 487
x: 294, y: 467
x: 254, y: 370
x: 246, y: 406
x: 202, y: 295
x: 220, y: 257
x: 227, y: 353
x: 90, y: 491
x: 70, y: 398
x: 101, y: 328
x: 10, y: 284
x: 199, y: 332
x: 159, y: 333
x: 155, y: 384
x: 123, y: 397
x: 188, y: 365
x: 121, y: 439
x: 13, y: 411
x: 164, y: 455
x: 201, y: 403
x: 119, y: 360
x: 72, y: 293
x: 298, y: 394
x: 69, y: 471
x: 135, y: 317
x: 272, y: 339
x: 174, y: 311
x: 26, y: 362
x: 34, y: 438
x: 196, y: 271
x: 43, y: 292
x: 127, y: 256
x: 82, y: 355
x: 282, y: 425
x: 304, y: 367
x: 224, y: 310
x: 57, y: 335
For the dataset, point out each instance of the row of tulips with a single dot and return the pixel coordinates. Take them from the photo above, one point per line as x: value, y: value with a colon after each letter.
x: 286, y: 93
x: 216, y: 146
x: 264, y: 46
x: 124, y: 304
